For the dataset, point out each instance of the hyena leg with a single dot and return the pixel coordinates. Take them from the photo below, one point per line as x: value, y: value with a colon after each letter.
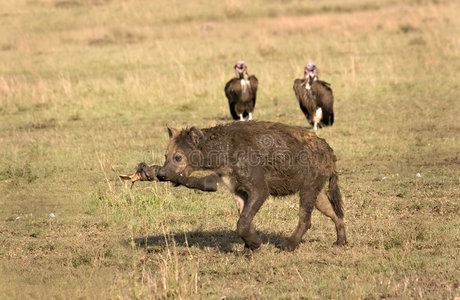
x: 324, y: 206
x: 244, y: 226
x: 307, y: 203
x: 240, y: 199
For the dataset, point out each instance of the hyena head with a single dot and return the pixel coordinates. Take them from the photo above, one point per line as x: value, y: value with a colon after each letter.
x: 182, y: 156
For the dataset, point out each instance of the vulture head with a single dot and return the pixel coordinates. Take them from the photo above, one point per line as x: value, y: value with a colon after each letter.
x: 240, y: 69
x: 310, y: 70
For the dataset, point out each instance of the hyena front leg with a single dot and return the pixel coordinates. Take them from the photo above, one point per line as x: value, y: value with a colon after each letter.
x: 244, y: 226
x: 257, y: 192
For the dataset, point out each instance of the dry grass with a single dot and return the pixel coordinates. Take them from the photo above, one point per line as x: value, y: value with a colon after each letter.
x: 86, y: 88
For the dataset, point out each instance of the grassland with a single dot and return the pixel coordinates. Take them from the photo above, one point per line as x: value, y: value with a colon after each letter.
x: 87, y: 87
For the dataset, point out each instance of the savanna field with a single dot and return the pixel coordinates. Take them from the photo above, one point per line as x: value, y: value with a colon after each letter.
x: 87, y: 88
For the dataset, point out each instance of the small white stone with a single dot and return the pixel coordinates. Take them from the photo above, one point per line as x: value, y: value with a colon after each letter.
x: 384, y: 178
x: 17, y: 218
x: 52, y: 215
x: 418, y: 175
x: 291, y: 206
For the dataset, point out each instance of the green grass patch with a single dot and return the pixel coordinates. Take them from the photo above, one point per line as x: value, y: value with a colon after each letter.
x: 88, y: 87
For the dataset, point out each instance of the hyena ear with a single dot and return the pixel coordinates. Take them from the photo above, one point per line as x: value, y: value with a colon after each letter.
x: 196, y: 135
x: 172, y: 132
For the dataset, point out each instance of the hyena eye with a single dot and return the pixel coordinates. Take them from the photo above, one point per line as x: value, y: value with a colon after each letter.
x: 178, y: 158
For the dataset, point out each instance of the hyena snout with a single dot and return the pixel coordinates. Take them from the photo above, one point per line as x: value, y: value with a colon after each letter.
x: 168, y: 173
x: 161, y: 175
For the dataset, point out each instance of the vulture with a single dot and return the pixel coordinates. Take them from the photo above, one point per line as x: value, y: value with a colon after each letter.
x: 315, y: 98
x: 241, y: 92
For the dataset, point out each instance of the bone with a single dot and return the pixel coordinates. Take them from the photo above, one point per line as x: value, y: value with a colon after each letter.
x: 133, y: 177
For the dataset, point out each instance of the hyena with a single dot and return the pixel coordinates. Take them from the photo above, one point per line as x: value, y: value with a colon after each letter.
x: 257, y: 159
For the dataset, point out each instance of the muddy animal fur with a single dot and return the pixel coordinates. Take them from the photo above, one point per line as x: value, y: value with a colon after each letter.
x: 257, y: 159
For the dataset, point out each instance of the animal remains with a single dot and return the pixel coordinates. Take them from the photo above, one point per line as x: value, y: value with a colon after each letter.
x: 315, y: 98
x: 241, y: 93
x: 149, y: 173
x: 257, y: 159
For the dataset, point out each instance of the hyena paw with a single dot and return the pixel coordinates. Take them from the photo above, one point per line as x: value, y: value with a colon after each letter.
x: 340, y: 243
x: 288, y: 245
x: 248, y: 252
x: 253, y: 247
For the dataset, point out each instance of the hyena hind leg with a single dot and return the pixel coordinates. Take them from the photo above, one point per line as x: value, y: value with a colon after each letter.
x: 324, y: 206
x: 307, y: 203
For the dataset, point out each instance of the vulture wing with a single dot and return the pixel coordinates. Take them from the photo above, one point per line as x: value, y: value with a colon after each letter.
x: 254, y: 83
x: 302, y: 96
x: 232, y: 91
x: 325, y: 99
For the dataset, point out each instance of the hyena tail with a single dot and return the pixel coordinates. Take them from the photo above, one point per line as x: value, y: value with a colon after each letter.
x: 334, y: 195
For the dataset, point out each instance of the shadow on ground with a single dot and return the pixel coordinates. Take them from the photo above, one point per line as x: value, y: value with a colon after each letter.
x: 222, y: 240
x: 224, y: 118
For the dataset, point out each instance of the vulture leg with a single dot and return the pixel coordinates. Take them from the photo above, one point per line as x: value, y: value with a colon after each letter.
x: 317, y: 118
x: 241, y: 117
x: 250, y: 116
